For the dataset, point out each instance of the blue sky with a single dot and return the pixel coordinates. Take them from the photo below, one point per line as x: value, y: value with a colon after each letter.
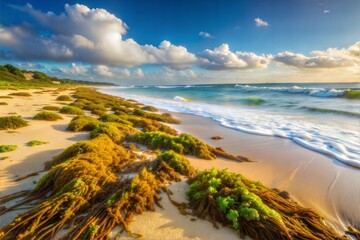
x: 172, y: 42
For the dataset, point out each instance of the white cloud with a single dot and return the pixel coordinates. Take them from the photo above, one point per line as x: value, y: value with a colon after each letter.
x: 139, y: 73
x: 326, y: 11
x: 222, y: 58
x: 103, y: 70
x: 87, y: 35
x: 261, y: 23
x: 330, y: 58
x: 78, y: 70
x: 205, y: 35
x: 125, y: 72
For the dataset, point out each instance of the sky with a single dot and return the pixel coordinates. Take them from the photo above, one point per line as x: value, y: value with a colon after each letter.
x: 184, y: 41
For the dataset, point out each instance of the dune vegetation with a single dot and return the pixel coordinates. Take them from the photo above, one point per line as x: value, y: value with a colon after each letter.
x: 33, y: 143
x: 97, y: 184
x: 47, y: 116
x: 72, y: 110
x: 12, y: 122
x: 21, y: 94
x: 51, y: 108
x: 64, y: 98
x: 7, y: 148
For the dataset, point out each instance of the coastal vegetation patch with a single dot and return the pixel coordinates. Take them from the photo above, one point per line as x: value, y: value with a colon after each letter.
x: 72, y: 110
x: 47, y: 116
x: 7, y: 148
x: 51, y: 108
x: 21, y: 94
x: 12, y: 122
x: 83, y: 123
x: 63, y: 98
x: 33, y: 143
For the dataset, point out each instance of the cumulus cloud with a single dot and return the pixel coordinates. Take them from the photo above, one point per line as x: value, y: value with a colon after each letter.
x: 326, y: 11
x: 103, y: 70
x: 139, y: 73
x: 222, y: 58
x: 87, y: 35
x: 205, y: 35
x: 330, y: 58
x: 261, y: 23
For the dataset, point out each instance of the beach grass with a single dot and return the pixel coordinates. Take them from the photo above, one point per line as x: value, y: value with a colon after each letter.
x: 63, y: 98
x: 47, y: 116
x: 12, y: 122
x: 33, y: 143
x: 51, y: 108
x: 71, y: 110
x: 7, y: 148
x: 21, y: 94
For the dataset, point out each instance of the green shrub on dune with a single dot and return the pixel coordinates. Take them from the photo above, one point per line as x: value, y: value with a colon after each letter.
x: 21, y: 94
x: 47, y: 116
x: 110, y: 129
x: 51, y: 108
x: 63, y: 98
x: 7, y: 148
x: 72, y: 110
x: 12, y: 122
x: 35, y: 143
x: 154, y: 116
x: 149, y: 108
x: 114, y: 118
x: 83, y: 123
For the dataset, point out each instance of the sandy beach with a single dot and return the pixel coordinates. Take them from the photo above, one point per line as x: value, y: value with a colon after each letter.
x: 313, y: 180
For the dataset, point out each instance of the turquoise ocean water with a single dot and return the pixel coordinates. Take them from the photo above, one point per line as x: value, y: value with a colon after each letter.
x: 320, y: 117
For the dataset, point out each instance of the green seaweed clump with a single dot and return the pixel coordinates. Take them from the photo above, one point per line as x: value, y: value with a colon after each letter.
x: 21, y: 94
x: 162, y: 118
x: 7, y: 148
x: 83, y: 123
x: 51, y: 108
x: 149, y: 108
x: 252, y: 209
x: 12, y: 122
x: 35, y: 143
x: 64, y: 98
x: 182, y: 144
x: 178, y: 162
x: 115, y: 118
x: 110, y: 129
x: 47, y: 116
x: 72, y: 110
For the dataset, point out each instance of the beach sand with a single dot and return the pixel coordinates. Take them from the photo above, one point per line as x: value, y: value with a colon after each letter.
x: 313, y: 180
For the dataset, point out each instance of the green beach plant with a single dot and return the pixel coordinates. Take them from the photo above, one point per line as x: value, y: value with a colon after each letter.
x: 51, y: 108
x: 7, y: 148
x: 72, y: 110
x: 83, y: 123
x: 252, y: 209
x: 12, y: 122
x: 47, y: 116
x: 21, y: 94
x: 33, y: 143
x: 63, y: 98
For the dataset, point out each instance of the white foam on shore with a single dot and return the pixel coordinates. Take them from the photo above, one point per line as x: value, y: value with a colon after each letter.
x: 316, y: 92
x: 331, y: 141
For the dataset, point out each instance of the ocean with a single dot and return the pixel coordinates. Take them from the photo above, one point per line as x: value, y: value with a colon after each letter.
x: 322, y: 117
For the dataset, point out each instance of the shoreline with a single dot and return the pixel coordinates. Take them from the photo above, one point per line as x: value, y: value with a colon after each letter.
x: 313, y: 180
x: 167, y: 221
